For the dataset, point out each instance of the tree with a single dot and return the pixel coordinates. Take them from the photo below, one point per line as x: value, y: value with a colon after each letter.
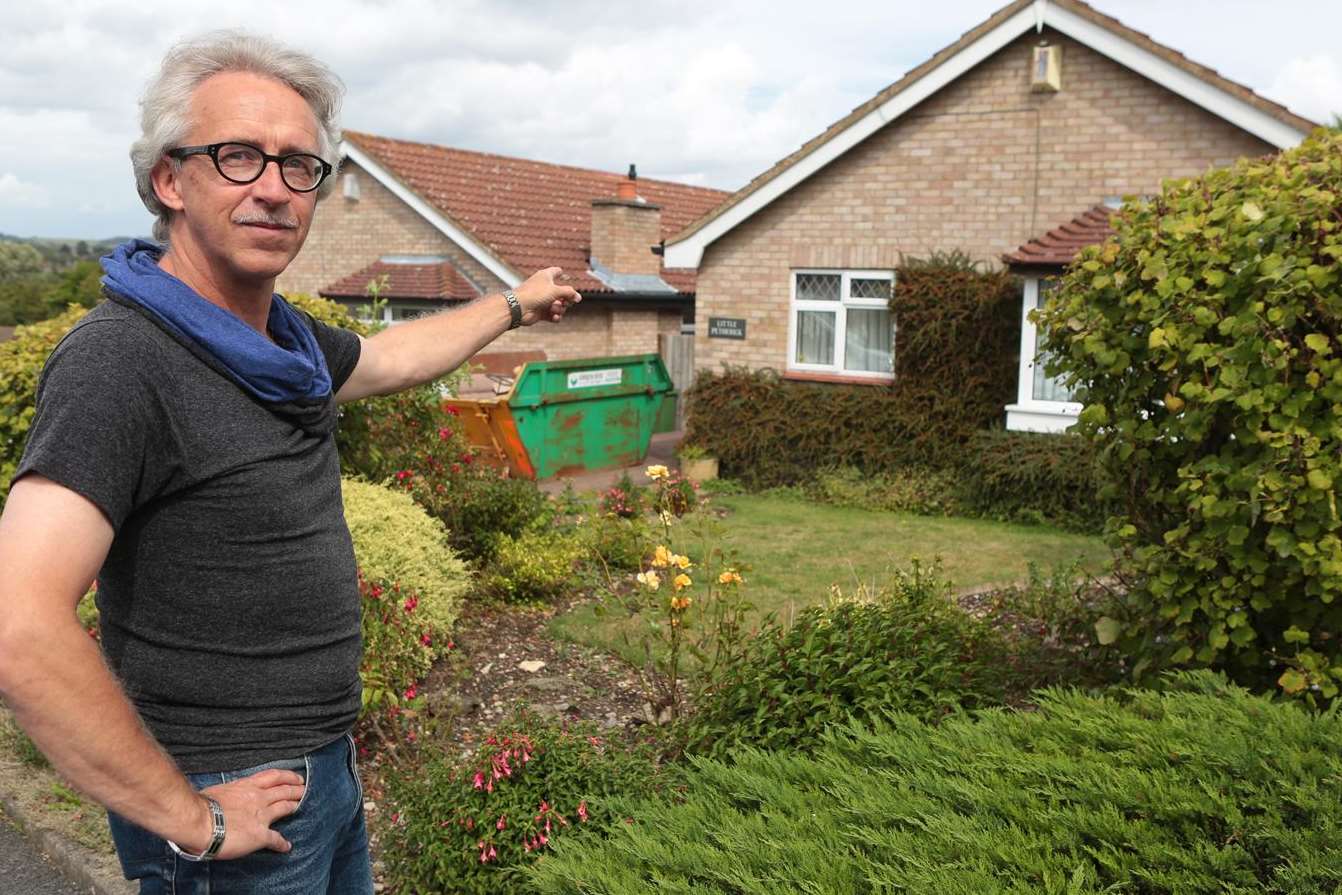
x: 1206, y: 344
x: 19, y: 259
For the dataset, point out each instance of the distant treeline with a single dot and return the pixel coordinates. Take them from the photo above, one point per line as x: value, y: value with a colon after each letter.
x: 40, y: 277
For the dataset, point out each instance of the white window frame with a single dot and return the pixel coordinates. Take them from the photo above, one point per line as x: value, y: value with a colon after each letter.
x: 1029, y: 414
x: 840, y: 309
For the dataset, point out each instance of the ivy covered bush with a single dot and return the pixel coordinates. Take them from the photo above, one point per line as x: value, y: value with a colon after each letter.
x: 1200, y: 791
x: 1206, y: 343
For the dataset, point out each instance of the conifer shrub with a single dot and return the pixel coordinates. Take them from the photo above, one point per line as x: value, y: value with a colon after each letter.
x: 1205, y: 341
x: 907, y: 649
x: 21, y: 362
x: 469, y: 825
x: 911, y: 489
x: 1204, y: 789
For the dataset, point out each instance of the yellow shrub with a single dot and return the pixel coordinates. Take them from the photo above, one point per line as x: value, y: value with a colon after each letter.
x: 396, y: 541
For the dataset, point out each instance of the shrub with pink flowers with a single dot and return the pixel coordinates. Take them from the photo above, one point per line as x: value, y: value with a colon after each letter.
x: 468, y: 826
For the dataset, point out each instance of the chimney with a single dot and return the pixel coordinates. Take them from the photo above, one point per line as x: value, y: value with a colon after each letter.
x: 625, y: 227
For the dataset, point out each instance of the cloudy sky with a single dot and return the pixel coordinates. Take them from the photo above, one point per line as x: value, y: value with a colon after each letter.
x: 703, y: 91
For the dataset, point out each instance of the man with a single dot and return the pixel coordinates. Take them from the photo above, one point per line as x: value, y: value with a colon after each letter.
x: 183, y: 453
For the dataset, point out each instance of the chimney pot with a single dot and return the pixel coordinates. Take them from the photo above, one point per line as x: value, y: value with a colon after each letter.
x: 627, y: 190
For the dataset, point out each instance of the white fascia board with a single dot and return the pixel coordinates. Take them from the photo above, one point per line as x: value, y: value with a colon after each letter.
x: 467, y: 242
x: 1173, y: 78
x: 688, y: 252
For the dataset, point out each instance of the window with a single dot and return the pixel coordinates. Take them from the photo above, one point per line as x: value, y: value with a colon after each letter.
x: 841, y: 323
x: 1045, y: 387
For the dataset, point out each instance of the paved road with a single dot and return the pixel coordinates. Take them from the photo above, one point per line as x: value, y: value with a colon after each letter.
x: 23, y: 870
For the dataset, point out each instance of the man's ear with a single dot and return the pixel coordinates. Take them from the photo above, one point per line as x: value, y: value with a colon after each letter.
x: 165, y: 176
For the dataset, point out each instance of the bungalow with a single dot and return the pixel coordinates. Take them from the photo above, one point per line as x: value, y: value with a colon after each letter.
x: 1046, y: 108
x: 433, y: 226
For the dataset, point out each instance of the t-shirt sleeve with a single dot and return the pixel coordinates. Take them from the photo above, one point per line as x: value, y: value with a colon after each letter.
x: 341, y: 348
x: 99, y: 422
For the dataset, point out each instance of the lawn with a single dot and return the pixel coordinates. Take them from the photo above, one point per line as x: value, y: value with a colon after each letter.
x: 796, y: 550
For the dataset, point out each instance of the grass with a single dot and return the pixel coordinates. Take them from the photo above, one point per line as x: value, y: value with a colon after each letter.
x: 796, y: 550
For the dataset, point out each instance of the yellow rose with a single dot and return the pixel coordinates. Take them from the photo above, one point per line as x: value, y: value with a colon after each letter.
x: 680, y: 561
x: 657, y: 472
x: 661, y: 557
x: 679, y: 603
x: 729, y: 577
x: 682, y: 581
x: 650, y: 579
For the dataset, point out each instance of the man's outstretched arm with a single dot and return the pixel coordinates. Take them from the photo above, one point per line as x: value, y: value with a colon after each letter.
x: 52, y: 543
x: 412, y: 353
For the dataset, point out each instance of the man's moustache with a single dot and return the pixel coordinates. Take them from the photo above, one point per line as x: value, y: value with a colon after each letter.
x: 267, y: 219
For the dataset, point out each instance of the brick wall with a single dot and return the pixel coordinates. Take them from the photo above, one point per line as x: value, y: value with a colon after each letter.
x: 347, y: 235
x: 982, y: 166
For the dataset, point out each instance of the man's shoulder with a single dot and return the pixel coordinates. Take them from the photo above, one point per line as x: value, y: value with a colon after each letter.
x: 114, y: 342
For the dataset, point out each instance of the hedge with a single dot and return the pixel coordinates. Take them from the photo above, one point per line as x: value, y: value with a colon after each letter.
x: 1207, y: 789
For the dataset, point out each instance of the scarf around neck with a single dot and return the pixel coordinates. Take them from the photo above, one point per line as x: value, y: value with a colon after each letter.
x: 288, y: 376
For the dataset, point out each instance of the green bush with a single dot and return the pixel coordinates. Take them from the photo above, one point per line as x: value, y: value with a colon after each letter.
x: 915, y: 489
x: 613, y: 542
x: 484, y: 506
x: 1204, y: 342
x: 1033, y: 477
x: 907, y: 649
x: 467, y: 827
x: 397, y: 541
x: 21, y: 362
x: 1205, y: 791
x: 534, y: 567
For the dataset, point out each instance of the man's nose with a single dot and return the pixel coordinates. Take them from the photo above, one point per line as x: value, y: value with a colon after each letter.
x: 270, y: 186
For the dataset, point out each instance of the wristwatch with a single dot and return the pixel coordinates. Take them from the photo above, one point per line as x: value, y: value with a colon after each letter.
x: 216, y: 838
x: 514, y: 308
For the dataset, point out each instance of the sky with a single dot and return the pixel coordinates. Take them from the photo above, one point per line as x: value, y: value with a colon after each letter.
x: 710, y: 92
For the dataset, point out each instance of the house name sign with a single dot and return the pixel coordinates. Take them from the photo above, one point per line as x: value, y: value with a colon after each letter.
x: 726, y: 327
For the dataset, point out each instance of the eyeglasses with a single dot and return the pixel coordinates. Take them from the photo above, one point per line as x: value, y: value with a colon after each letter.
x: 243, y: 163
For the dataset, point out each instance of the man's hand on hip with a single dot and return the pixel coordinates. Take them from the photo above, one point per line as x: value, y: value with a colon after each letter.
x: 251, y: 805
x: 542, y: 298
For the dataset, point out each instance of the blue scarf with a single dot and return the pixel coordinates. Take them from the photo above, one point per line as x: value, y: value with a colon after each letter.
x: 289, y: 376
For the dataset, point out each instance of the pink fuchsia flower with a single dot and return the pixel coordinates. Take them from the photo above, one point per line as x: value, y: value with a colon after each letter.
x: 479, y: 780
x: 426, y: 640
x: 411, y: 692
x: 582, y: 811
x: 444, y: 434
x: 503, y: 822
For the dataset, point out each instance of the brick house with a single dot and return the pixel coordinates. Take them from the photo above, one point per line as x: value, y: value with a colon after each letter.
x: 445, y: 225
x: 1047, y: 108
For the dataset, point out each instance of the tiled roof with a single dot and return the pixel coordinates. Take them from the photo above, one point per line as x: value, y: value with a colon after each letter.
x: 1084, y: 10
x: 1059, y: 246
x: 529, y: 214
x: 405, y: 280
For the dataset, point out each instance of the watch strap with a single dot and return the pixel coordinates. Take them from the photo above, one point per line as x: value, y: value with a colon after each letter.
x: 216, y: 838
x: 514, y: 308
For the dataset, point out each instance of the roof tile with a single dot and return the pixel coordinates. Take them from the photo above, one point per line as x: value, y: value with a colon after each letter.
x: 438, y: 280
x: 529, y: 214
x: 1060, y: 246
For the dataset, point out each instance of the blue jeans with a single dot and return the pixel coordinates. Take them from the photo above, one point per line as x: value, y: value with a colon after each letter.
x: 330, y: 841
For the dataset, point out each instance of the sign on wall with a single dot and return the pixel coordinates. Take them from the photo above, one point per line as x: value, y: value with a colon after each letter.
x: 726, y: 328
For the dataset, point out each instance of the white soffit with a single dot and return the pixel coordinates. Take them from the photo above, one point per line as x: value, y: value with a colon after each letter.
x: 689, y: 251
x: 430, y: 214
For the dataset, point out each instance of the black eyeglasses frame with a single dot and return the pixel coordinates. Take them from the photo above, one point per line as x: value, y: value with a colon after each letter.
x: 212, y: 150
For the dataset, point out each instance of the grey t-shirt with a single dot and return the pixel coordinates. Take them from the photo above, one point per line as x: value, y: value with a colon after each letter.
x: 229, y: 599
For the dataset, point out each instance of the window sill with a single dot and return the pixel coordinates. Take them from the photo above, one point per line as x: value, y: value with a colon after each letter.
x: 839, y: 379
